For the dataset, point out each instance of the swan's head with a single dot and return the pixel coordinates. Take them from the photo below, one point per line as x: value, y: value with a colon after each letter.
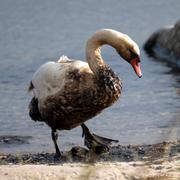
x: 130, y: 52
x: 123, y: 44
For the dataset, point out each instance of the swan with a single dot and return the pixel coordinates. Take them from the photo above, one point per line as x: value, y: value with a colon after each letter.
x: 69, y: 92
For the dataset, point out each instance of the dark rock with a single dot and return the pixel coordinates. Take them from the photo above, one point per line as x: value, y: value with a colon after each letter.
x: 79, y: 152
x: 14, y: 139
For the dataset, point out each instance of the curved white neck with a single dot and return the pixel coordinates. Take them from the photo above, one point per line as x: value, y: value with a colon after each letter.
x: 93, y: 46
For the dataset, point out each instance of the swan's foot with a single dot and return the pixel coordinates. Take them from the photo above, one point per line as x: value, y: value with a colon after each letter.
x: 58, y: 154
x: 94, y: 142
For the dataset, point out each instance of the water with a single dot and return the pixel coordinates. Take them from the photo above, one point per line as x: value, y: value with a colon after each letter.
x: 33, y: 32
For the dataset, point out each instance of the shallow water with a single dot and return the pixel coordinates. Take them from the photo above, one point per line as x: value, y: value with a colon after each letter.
x: 33, y: 32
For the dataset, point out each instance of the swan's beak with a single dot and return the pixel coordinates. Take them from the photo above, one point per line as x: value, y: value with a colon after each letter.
x: 135, y: 63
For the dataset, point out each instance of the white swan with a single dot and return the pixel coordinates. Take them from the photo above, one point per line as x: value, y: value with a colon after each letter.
x: 69, y: 92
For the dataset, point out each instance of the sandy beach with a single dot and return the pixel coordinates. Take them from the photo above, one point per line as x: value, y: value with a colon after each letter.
x: 157, y: 161
x: 103, y: 170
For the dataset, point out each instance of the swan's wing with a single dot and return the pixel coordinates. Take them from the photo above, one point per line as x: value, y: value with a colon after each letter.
x: 51, y: 77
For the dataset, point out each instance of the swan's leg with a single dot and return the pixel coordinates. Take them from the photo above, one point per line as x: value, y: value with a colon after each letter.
x: 54, y: 135
x: 94, y: 142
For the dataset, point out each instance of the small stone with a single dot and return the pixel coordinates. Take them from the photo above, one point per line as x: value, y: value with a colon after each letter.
x: 3, y: 157
x: 141, y: 150
x: 158, y: 167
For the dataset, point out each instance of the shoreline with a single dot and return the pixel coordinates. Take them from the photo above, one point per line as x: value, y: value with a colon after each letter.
x: 121, y: 153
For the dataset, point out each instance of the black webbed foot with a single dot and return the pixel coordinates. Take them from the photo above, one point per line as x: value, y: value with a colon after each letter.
x: 57, y: 157
x: 94, y: 142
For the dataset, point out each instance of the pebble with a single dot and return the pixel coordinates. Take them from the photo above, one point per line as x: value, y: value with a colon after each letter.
x: 117, y: 154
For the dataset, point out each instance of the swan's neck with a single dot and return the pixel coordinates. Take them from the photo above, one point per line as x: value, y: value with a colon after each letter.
x: 93, y: 47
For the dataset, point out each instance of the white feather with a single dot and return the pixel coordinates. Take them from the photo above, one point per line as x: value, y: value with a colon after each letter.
x: 48, y: 79
x: 63, y: 59
x: 51, y: 77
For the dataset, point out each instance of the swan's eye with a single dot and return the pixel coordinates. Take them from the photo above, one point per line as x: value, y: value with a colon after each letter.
x: 133, y: 55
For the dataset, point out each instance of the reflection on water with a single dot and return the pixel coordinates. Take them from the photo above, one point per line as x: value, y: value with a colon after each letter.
x: 35, y: 32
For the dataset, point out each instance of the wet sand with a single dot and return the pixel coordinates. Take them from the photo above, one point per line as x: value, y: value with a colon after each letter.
x: 157, y: 161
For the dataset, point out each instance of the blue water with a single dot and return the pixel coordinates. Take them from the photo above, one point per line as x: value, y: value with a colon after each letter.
x: 33, y: 32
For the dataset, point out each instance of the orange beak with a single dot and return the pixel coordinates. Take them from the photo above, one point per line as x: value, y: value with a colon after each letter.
x: 135, y: 63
